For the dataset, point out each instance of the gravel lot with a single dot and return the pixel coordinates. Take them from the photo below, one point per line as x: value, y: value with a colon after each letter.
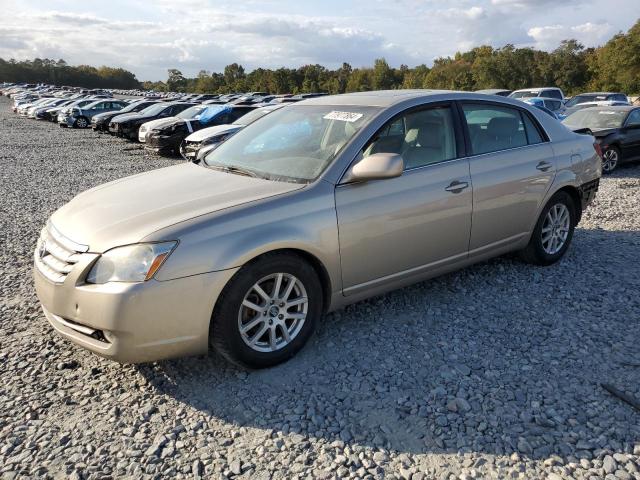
x: 491, y: 372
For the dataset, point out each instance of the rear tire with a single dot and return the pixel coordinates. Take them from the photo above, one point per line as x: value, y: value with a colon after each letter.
x: 553, y: 232
x: 267, y: 311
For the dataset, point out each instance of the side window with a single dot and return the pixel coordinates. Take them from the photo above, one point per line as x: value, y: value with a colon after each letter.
x: 619, y: 97
x: 493, y: 128
x: 634, y: 119
x: 533, y: 133
x: 422, y: 137
x: 553, y: 105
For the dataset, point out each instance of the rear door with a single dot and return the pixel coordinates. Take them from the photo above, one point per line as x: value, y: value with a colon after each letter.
x: 512, y: 166
x: 393, y: 228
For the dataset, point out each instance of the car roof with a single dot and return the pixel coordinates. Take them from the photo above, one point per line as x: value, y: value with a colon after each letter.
x: 541, y: 98
x: 599, y: 93
x: 378, y: 98
x: 388, y: 98
x: 535, y: 89
x: 491, y: 90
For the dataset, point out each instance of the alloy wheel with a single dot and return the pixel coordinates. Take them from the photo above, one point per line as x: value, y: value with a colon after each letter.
x: 609, y: 160
x: 273, y: 312
x: 81, y: 123
x: 555, y: 228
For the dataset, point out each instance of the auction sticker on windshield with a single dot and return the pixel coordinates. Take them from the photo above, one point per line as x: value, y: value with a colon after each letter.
x: 343, y: 116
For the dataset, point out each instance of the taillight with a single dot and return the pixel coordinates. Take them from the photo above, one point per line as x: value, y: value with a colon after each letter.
x: 597, y: 148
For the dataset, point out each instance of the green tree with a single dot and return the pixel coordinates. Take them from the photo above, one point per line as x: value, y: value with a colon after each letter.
x: 234, y: 77
x: 616, y: 65
x: 414, y: 78
x: 360, y: 80
x: 383, y: 77
x: 176, y: 81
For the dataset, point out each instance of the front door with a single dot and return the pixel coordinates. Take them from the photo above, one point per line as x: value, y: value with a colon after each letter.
x: 420, y: 220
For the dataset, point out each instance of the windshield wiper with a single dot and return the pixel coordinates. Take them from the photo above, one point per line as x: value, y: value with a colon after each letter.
x: 234, y: 169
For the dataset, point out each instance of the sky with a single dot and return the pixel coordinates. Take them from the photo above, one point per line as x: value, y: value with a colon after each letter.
x: 148, y: 37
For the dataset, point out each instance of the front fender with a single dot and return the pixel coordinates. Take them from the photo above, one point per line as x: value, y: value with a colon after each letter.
x: 303, y: 220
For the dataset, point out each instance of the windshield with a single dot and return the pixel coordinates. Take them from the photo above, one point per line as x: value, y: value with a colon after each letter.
x: 154, y: 109
x: 93, y: 104
x: 191, y: 112
x: 581, y: 99
x: 525, y: 94
x: 596, y: 119
x: 292, y: 144
x: 129, y: 108
x: 253, y: 115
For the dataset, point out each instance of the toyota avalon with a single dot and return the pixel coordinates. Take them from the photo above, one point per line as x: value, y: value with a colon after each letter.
x: 315, y: 206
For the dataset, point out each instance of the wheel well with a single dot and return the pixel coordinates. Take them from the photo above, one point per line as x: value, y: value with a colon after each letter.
x: 574, y: 193
x: 317, y: 265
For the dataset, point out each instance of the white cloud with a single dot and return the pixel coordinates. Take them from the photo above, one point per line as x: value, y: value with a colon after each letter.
x: 548, y: 37
x: 148, y: 37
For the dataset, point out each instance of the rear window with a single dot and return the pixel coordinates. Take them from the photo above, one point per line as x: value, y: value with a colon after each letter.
x: 552, y: 94
x: 533, y: 132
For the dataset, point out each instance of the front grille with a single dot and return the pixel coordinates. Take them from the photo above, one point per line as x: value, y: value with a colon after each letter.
x: 56, y: 255
x: 78, y: 327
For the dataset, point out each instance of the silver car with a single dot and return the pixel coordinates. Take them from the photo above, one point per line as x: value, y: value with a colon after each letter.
x: 315, y: 206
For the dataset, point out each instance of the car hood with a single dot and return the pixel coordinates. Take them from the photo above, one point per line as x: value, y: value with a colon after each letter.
x: 127, y: 210
x: 128, y: 117
x: 158, y: 123
x: 105, y: 115
x: 603, y: 132
x: 209, y: 132
x: 163, y: 123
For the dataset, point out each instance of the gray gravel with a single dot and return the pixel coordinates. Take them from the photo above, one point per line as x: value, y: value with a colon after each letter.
x: 491, y: 372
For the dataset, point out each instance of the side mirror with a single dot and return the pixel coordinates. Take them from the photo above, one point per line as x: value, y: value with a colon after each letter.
x: 375, y: 167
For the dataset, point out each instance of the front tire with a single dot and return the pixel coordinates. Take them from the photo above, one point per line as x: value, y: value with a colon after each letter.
x: 610, y: 159
x: 267, y: 311
x: 81, y: 122
x: 553, y: 232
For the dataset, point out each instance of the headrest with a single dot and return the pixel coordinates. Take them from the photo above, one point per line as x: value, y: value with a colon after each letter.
x: 430, y: 135
x: 503, y: 126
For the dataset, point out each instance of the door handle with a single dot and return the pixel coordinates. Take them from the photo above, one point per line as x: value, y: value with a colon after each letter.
x: 544, y: 166
x: 456, y: 186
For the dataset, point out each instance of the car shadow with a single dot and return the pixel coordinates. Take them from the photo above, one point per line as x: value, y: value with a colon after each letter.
x: 498, y: 358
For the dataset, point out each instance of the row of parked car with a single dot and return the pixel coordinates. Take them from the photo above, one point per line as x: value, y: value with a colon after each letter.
x: 191, y: 125
x: 609, y: 116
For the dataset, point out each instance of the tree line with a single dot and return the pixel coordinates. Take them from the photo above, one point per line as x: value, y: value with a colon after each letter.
x: 57, y: 72
x: 572, y: 67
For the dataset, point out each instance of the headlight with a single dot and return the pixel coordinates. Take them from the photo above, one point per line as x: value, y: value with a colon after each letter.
x: 132, y: 263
